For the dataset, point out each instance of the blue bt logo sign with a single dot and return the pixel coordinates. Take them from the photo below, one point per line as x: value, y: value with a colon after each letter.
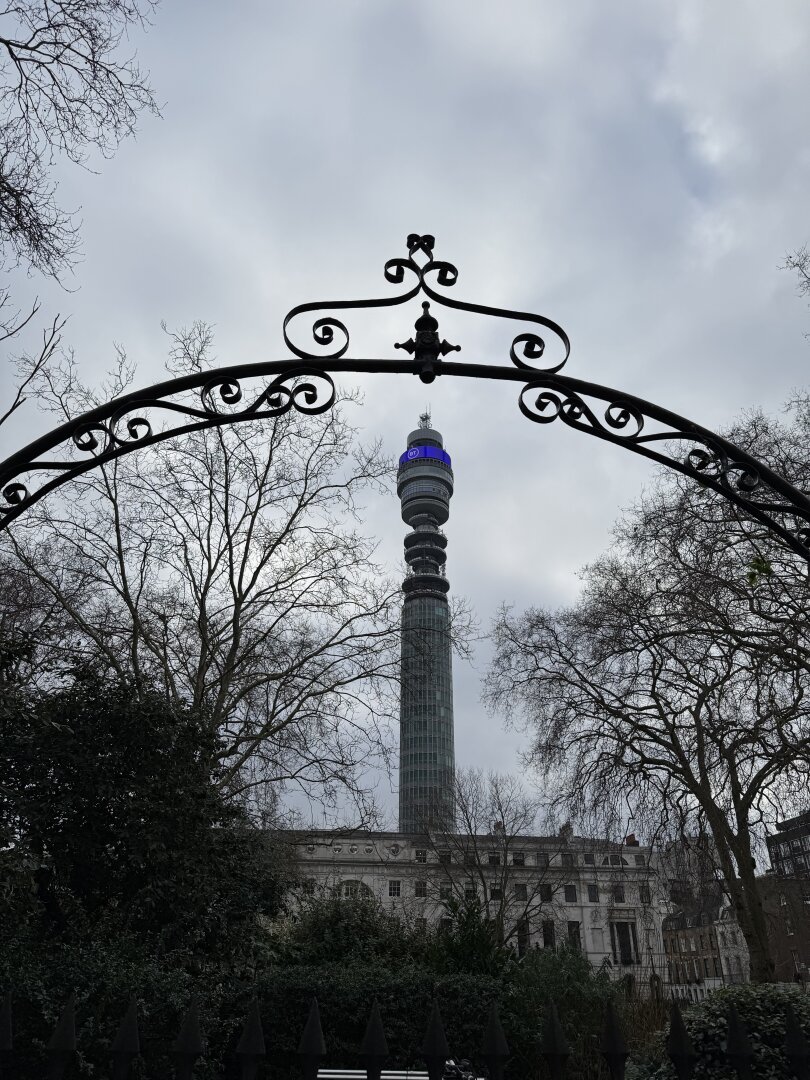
x: 424, y: 452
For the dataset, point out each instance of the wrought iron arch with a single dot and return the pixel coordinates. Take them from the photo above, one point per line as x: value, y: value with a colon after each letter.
x: 305, y: 382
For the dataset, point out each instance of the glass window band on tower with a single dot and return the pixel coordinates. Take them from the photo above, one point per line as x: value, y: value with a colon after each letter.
x: 426, y: 750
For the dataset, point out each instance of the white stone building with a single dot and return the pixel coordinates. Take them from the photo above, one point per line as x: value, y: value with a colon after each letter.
x: 544, y: 891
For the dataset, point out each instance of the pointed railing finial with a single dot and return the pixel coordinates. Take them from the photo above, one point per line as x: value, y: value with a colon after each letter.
x: 679, y: 1045
x: 554, y: 1046
x: 62, y: 1044
x: 189, y: 1044
x: 739, y: 1050
x: 614, y: 1048
x: 6, y: 1027
x: 495, y: 1050
x: 251, y: 1048
x: 312, y: 1048
x: 374, y: 1049
x: 126, y: 1045
x: 796, y: 1046
x: 435, y: 1050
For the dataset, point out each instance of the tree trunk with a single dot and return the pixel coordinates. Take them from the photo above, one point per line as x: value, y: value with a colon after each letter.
x: 740, y: 880
x: 754, y: 927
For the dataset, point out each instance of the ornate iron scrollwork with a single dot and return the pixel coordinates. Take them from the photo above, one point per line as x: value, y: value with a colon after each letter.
x: 677, y: 443
x: 426, y: 274
x: 127, y: 423
x: 304, y: 382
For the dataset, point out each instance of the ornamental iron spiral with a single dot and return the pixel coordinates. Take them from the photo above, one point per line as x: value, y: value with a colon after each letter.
x: 303, y: 382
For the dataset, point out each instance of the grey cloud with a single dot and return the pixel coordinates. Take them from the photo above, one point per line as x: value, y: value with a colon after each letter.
x: 635, y: 171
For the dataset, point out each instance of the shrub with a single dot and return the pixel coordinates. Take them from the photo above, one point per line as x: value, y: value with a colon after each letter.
x: 761, y: 1007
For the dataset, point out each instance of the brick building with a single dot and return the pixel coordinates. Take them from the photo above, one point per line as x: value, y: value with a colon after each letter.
x: 786, y: 901
x: 704, y: 950
x: 789, y: 847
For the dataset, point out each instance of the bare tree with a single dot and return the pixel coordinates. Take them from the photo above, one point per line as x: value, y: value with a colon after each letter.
x: 486, y: 854
x: 674, y: 692
x: 30, y: 367
x: 798, y: 262
x: 227, y: 567
x: 66, y: 88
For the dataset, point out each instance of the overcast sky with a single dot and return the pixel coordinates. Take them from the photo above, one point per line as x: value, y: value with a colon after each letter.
x: 635, y: 171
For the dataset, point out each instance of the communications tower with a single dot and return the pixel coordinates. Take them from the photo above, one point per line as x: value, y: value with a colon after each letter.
x: 426, y: 751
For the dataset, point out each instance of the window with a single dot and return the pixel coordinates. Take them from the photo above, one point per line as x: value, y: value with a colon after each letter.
x: 644, y: 894
x: 542, y: 860
x: 706, y: 966
x: 588, y: 858
x: 639, y: 860
x: 445, y: 924
x: 573, y: 935
x: 519, y: 858
x: 623, y: 942
x: 717, y: 972
x: 445, y: 892
x: 782, y: 900
x: 494, y: 858
x: 469, y: 858
x: 570, y: 894
x: 593, y: 894
x: 618, y: 894
x: 420, y: 889
x: 545, y: 894
x: 420, y: 855
x: 445, y: 857
x: 520, y: 890
x: 548, y: 933
x: 496, y: 894
x: 394, y: 888
x: 567, y: 860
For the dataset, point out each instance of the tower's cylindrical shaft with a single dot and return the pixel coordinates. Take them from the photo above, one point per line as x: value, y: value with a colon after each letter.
x: 426, y: 751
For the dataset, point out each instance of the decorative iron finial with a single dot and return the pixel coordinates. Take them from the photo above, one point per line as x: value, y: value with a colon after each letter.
x: 425, y: 244
x: 425, y: 344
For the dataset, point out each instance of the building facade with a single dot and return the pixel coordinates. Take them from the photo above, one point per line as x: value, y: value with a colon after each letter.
x: 704, y: 949
x: 789, y: 847
x: 541, y: 892
x: 786, y: 903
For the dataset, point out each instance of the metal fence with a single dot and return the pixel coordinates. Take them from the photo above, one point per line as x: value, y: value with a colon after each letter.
x: 251, y: 1052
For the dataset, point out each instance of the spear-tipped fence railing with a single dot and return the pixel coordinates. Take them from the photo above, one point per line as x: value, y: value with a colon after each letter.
x: 252, y: 1054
